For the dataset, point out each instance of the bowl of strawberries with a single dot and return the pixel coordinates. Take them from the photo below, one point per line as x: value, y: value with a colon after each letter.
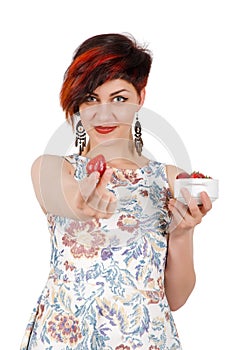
x: 196, y: 182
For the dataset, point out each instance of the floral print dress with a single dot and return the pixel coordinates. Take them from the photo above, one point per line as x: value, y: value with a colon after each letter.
x: 105, y: 289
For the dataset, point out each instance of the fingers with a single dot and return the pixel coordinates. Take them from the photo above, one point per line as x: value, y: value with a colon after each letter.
x: 93, y: 186
x: 88, y: 185
x: 95, y: 199
x: 197, y: 210
x: 179, y: 212
x: 104, y: 180
x: 206, y: 203
x: 191, y: 203
x: 106, y: 202
x: 106, y: 207
x: 188, y: 216
x: 111, y: 208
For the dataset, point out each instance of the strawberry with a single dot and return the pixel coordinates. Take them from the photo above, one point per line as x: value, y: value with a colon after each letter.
x: 183, y: 175
x: 97, y: 163
x: 197, y: 175
x: 193, y: 175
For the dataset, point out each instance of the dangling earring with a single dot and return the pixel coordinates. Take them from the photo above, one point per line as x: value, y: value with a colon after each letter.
x: 138, y: 133
x: 80, y: 140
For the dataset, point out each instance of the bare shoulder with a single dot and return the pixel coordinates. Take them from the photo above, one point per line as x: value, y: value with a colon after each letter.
x: 172, y: 172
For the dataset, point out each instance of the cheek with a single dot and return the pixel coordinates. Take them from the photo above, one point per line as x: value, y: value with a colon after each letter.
x: 122, y: 113
x: 87, y: 115
x: 127, y: 108
x: 128, y: 132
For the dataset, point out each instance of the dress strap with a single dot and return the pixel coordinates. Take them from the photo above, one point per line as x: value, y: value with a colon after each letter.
x: 79, y: 164
x: 71, y: 159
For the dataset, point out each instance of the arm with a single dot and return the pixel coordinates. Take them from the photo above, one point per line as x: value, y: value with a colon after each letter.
x: 58, y: 192
x: 179, y: 273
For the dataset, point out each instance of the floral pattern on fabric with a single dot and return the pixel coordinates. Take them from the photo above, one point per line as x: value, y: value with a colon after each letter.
x: 105, y: 289
x: 64, y: 329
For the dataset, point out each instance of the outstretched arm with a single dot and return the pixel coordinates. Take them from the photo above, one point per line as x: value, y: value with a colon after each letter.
x: 58, y: 192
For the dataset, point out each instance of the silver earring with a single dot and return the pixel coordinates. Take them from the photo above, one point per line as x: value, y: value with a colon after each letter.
x: 138, y: 139
x: 80, y: 140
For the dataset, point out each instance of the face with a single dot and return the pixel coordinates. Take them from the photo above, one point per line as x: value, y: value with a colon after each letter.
x: 108, y: 112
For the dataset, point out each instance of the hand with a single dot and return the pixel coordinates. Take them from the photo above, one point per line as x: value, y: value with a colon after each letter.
x: 186, y: 217
x: 93, y: 199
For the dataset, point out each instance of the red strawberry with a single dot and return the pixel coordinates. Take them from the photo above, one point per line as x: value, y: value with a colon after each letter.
x: 183, y: 175
x: 197, y: 175
x: 96, y: 164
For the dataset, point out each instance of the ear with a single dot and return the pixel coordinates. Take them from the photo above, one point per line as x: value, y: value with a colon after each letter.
x: 142, y: 97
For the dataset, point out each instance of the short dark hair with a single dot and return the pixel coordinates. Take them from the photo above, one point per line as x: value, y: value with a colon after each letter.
x: 99, y: 59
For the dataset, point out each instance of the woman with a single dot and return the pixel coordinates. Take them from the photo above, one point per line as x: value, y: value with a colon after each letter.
x: 122, y: 247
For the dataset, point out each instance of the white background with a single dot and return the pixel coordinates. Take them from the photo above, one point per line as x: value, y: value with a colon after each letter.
x: 190, y: 85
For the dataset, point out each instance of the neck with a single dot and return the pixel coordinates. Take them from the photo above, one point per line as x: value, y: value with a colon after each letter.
x: 118, y: 153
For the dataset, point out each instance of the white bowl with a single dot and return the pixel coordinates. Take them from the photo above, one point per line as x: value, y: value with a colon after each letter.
x: 195, y: 187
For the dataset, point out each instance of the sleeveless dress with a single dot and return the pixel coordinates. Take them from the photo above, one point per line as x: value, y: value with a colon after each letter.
x: 105, y: 290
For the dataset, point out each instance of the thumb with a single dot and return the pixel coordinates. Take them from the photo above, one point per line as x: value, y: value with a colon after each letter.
x: 105, y: 178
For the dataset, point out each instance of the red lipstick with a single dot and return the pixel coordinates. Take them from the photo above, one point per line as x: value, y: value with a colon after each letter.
x: 104, y: 129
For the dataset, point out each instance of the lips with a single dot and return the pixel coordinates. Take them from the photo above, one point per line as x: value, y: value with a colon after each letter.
x: 105, y: 129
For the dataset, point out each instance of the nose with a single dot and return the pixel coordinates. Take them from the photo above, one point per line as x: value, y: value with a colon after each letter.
x: 104, y: 113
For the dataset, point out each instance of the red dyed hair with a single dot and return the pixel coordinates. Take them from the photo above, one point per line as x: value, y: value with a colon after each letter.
x: 101, y: 58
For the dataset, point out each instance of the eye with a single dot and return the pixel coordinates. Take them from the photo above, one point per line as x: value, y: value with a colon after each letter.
x: 120, y: 99
x: 90, y: 98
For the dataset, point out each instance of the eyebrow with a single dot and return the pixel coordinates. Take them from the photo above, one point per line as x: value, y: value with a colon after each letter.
x: 118, y: 92
x: 113, y: 93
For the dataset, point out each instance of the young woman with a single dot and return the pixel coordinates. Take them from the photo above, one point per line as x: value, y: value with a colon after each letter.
x: 122, y: 246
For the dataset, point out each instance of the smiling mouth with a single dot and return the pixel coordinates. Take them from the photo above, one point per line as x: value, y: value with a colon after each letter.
x: 104, y: 129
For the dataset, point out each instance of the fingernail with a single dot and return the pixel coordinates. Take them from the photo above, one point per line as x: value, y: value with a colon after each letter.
x: 108, y: 172
x: 95, y: 175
